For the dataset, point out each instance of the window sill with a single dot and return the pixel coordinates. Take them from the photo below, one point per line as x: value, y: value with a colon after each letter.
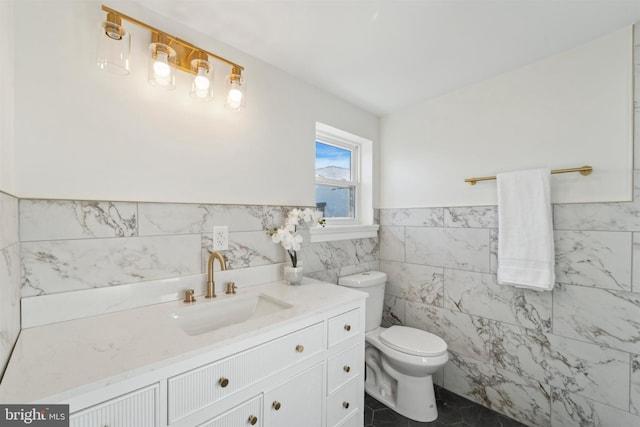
x: 343, y: 232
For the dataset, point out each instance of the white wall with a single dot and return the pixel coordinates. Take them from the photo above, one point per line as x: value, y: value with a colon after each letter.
x: 85, y: 134
x: 6, y: 97
x: 568, y: 110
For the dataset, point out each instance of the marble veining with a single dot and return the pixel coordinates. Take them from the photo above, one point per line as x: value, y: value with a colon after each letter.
x: 414, y: 282
x: 635, y: 267
x: 69, y: 219
x: 331, y: 275
x: 8, y: 220
x: 9, y: 301
x: 426, y: 217
x: 394, y: 310
x: 392, y: 241
x: 246, y: 249
x: 569, y: 409
x: 471, y: 217
x: 274, y: 216
x: 521, y: 398
x: 338, y: 254
x: 623, y: 216
x: 600, y: 316
x: 586, y: 369
x: 480, y: 294
x: 493, y: 250
x: 463, y: 333
x: 176, y: 218
x: 594, y: 258
x: 634, y: 391
x: 461, y: 248
x: 65, y: 265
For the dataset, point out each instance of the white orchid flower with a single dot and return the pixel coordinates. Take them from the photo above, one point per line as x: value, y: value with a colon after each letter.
x: 307, y: 215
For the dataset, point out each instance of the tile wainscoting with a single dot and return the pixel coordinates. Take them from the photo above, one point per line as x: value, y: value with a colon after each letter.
x: 9, y: 277
x: 570, y: 357
x: 76, y: 245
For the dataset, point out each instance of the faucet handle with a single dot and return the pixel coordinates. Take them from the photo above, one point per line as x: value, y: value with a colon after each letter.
x: 231, y: 288
x: 188, y: 296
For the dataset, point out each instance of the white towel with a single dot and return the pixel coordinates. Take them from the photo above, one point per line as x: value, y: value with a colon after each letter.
x: 525, y: 242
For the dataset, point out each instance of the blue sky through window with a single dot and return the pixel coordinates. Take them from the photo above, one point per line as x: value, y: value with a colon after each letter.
x: 328, y: 155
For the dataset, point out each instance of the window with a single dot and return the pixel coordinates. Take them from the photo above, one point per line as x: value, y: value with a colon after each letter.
x: 336, y: 179
x: 344, y: 185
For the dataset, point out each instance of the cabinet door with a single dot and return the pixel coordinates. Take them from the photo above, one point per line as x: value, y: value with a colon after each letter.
x: 136, y: 409
x: 343, y: 403
x: 247, y: 414
x: 297, y: 402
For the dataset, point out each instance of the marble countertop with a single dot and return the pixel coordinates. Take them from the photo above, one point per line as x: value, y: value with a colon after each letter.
x: 55, y: 362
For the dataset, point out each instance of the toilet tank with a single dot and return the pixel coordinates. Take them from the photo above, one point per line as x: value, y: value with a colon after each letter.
x: 371, y: 282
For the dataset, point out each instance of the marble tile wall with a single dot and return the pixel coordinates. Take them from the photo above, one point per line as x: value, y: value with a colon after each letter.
x: 74, y: 245
x: 9, y: 277
x: 570, y: 357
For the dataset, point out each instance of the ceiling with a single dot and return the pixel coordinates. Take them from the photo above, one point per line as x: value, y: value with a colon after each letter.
x: 384, y: 55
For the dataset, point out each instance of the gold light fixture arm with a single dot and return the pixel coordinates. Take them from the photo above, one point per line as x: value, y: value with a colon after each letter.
x: 185, y: 51
x: 584, y: 170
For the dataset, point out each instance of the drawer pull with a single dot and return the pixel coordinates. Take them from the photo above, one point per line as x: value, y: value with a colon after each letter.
x: 253, y: 420
x: 223, y: 382
x: 347, y: 368
x: 345, y: 405
x: 299, y: 348
x: 347, y: 327
x: 276, y: 405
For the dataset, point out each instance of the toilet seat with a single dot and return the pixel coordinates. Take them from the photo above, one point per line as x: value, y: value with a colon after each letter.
x: 413, y: 341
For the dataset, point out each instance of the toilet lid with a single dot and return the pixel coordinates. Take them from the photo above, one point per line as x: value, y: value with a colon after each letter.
x: 413, y: 341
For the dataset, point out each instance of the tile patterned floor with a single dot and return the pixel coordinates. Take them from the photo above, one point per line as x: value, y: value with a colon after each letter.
x: 453, y: 411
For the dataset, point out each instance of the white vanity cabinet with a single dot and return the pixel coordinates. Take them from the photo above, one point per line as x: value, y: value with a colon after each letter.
x: 296, y: 402
x: 246, y: 414
x: 139, y: 408
x: 304, y: 372
x: 196, y: 389
x: 345, y: 367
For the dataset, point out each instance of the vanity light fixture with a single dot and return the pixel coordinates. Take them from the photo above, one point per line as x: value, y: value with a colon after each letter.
x: 162, y: 63
x: 114, y: 45
x: 235, y: 90
x: 166, y: 55
x: 202, y: 69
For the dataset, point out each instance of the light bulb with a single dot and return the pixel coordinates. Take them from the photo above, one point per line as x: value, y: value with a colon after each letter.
x: 161, y: 67
x: 201, y: 80
x: 234, y: 97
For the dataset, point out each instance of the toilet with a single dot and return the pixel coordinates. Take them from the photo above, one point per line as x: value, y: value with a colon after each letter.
x: 399, y: 360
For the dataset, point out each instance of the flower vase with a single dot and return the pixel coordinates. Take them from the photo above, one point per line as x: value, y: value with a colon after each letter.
x: 293, y: 275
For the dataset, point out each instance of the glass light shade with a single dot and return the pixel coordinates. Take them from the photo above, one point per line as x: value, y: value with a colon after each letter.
x: 162, y: 66
x: 113, y: 48
x: 201, y: 85
x: 236, y: 92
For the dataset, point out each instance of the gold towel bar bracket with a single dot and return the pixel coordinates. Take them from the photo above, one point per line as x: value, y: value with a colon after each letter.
x: 584, y: 170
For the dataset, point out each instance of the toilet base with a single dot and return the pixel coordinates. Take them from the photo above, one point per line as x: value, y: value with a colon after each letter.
x: 415, y: 400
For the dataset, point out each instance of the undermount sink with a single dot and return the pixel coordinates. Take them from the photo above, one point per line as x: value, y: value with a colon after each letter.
x: 208, y: 316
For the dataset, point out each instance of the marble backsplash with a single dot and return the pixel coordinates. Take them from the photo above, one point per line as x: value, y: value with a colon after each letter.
x: 9, y: 277
x: 570, y: 357
x: 76, y: 245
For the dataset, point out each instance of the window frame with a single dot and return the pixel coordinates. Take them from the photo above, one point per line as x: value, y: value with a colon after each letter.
x: 362, y: 226
x: 354, y: 148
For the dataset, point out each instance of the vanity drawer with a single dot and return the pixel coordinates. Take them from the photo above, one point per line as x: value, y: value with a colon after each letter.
x: 343, y: 403
x: 343, y: 327
x: 139, y: 408
x: 241, y: 415
x: 343, y: 366
x: 210, y: 383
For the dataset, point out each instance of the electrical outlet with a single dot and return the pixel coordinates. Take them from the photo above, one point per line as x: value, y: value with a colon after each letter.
x: 220, y: 238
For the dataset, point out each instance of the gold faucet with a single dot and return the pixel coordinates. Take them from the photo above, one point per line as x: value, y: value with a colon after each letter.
x: 211, y: 285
